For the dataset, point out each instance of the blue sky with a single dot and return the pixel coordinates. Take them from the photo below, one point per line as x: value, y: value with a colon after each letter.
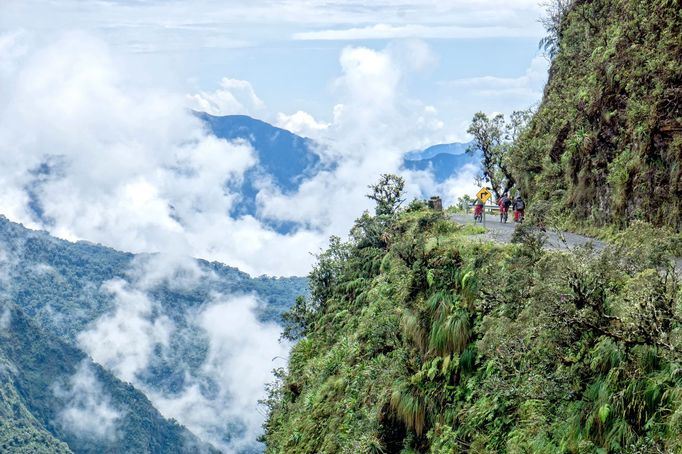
x: 480, y: 51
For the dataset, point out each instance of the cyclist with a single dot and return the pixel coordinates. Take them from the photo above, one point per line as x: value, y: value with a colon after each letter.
x: 504, y: 203
x: 519, y: 208
x: 478, y: 210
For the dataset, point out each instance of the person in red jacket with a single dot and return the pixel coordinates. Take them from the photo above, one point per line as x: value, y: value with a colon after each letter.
x: 478, y: 211
x: 504, y: 203
x: 519, y: 208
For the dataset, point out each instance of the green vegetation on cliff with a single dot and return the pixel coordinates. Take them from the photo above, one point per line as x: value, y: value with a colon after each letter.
x: 605, y: 146
x: 419, y: 337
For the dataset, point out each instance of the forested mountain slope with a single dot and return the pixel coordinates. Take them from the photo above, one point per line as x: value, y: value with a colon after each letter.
x: 52, y: 392
x: 605, y: 146
x: 143, y: 318
x: 420, y: 338
x: 47, y: 276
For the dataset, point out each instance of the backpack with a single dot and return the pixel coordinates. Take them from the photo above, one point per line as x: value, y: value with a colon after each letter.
x: 520, y: 204
x: 506, y: 202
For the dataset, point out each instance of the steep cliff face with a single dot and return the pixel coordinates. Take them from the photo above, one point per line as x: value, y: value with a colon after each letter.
x: 606, y: 143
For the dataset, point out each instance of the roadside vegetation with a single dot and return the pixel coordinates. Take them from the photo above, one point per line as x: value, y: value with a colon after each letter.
x: 418, y: 339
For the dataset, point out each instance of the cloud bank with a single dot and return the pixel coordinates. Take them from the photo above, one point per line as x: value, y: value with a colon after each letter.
x: 154, y: 26
x: 242, y: 353
x: 87, y: 155
x: 387, y: 31
x: 232, y: 97
x: 124, y: 340
x: 218, y: 398
x: 129, y: 166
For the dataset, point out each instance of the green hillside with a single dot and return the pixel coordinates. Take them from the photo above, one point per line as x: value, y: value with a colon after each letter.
x: 48, y: 275
x: 605, y: 146
x: 34, y: 368
x: 20, y: 431
x: 57, y: 290
x: 421, y: 338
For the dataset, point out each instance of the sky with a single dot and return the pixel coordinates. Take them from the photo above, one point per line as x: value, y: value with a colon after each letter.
x: 98, y: 93
x: 481, y: 52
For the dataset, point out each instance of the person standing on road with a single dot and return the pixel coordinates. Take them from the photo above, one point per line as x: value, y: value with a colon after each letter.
x: 519, y: 208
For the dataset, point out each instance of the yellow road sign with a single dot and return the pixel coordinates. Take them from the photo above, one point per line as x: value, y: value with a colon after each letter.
x: 484, y: 194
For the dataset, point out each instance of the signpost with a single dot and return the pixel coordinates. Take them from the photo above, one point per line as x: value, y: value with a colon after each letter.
x: 484, y: 195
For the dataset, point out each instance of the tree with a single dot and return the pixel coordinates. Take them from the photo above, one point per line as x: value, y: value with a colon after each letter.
x: 555, y: 11
x: 465, y: 201
x: 387, y: 193
x: 490, y: 139
x: 298, y: 320
x: 326, y: 272
x: 494, y: 138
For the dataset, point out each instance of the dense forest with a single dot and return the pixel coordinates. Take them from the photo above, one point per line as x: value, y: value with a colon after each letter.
x: 51, y: 291
x: 42, y: 403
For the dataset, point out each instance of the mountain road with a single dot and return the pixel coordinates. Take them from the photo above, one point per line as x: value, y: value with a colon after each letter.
x: 502, y: 233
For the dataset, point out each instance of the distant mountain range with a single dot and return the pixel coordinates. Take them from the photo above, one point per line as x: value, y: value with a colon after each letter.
x: 52, y: 291
x: 287, y: 160
x: 442, y: 165
x: 283, y: 157
x: 456, y: 148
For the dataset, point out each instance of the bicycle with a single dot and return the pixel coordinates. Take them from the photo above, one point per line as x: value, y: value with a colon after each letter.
x: 478, y: 214
x: 504, y: 214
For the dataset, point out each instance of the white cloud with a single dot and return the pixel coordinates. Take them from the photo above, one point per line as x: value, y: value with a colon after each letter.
x: 123, y: 341
x: 87, y: 411
x: 238, y: 363
x: 242, y: 354
x: 177, y: 272
x: 234, y: 97
x: 12, y: 47
x: 375, y: 123
x: 5, y: 318
x: 461, y: 183
x: 529, y: 85
x: 301, y: 123
x: 8, y: 262
x: 387, y: 31
x: 414, y: 54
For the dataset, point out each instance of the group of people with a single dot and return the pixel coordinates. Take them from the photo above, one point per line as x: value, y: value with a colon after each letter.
x: 518, y: 205
x: 504, y: 202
